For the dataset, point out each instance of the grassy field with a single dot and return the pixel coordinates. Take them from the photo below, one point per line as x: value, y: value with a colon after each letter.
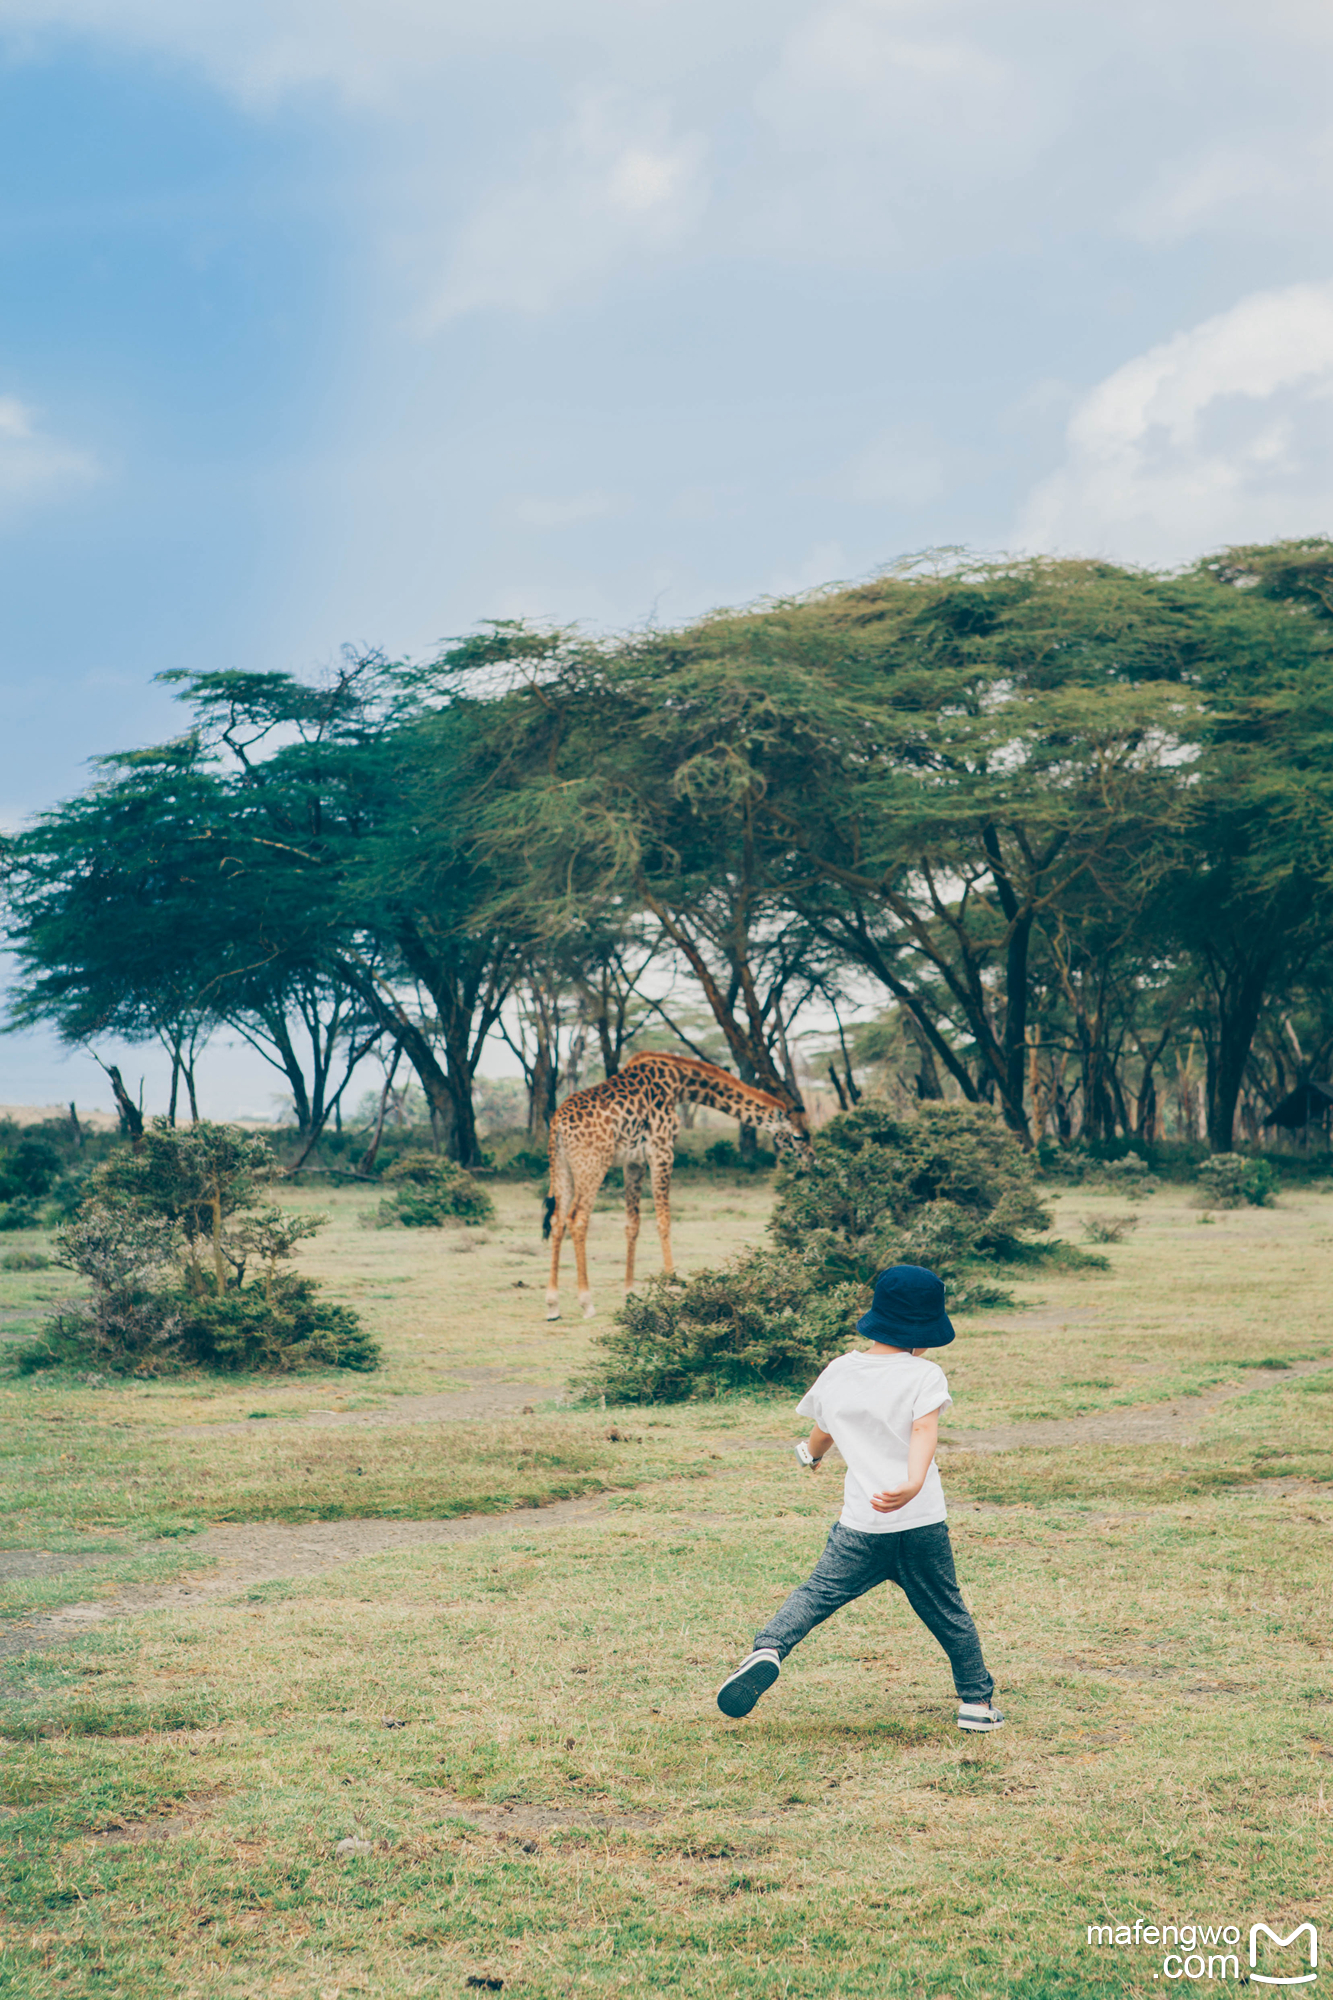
x: 519, y: 1729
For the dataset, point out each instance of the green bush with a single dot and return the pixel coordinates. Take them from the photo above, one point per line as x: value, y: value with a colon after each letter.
x: 25, y: 1260
x: 1228, y: 1179
x: 29, y: 1168
x: 1109, y: 1228
x: 24, y: 1212
x: 44, y: 1172
x: 754, y: 1324
x: 280, y: 1328
x: 724, y: 1156
x: 525, y: 1163
x: 1129, y: 1176
x: 951, y: 1190
x: 129, y: 1321
x: 184, y: 1265
x: 430, y: 1191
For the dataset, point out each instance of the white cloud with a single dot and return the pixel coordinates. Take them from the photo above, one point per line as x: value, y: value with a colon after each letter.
x: 856, y: 130
x: 380, y: 53
x: 612, y: 186
x: 33, y: 466
x: 1275, y: 186
x: 927, y: 89
x: 1223, y: 434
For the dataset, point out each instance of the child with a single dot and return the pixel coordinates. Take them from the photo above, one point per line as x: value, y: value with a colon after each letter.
x: 882, y: 1410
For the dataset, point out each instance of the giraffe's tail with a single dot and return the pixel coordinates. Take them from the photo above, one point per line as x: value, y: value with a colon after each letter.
x: 547, y: 1213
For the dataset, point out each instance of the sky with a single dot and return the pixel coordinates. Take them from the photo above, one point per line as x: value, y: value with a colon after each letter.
x: 329, y: 323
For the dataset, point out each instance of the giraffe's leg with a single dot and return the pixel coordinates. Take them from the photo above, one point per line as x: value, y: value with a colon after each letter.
x: 662, y: 1156
x: 578, y: 1229
x: 580, y: 1215
x: 553, y: 1282
x: 633, y: 1192
x: 563, y: 1182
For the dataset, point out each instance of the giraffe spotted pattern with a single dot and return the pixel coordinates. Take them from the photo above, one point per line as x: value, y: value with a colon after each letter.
x: 631, y: 1120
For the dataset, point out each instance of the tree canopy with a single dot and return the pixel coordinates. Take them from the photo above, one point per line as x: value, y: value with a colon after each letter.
x: 1070, y: 822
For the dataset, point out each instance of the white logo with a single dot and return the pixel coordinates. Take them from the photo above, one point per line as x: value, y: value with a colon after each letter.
x: 1293, y: 1979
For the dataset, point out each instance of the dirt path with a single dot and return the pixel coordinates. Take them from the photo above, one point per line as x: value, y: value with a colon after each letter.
x: 1176, y: 1422
x: 488, y: 1395
x: 249, y: 1554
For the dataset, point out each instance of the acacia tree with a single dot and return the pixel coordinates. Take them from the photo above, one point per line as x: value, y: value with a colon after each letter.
x: 419, y: 888
x: 112, y: 913
x: 356, y: 793
x: 1255, y: 909
x: 629, y: 781
x: 274, y: 871
x: 158, y: 904
x: 1061, y: 813
x: 1016, y: 757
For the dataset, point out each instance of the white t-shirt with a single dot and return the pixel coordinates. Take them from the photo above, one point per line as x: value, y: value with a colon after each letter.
x: 868, y: 1403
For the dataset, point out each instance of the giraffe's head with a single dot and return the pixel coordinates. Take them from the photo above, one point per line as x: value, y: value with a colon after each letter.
x: 791, y: 1138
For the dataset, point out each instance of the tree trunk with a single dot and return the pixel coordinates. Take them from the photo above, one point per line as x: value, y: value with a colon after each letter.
x: 541, y: 1088
x: 371, y: 1153
x: 1238, y: 1012
x: 1145, y: 1122
x: 216, y: 1205
x: 131, y: 1117
x: 1014, y: 1080
x: 276, y: 1024
x: 462, y: 1143
x: 446, y: 1097
x: 928, y: 1086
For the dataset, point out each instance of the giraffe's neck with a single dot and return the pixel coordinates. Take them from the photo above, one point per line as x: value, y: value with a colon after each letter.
x: 737, y: 1100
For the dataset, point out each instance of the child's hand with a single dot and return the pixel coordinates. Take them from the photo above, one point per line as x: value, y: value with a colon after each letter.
x: 920, y: 1453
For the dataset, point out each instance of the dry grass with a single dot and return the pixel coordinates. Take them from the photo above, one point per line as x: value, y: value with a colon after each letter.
x: 523, y: 1727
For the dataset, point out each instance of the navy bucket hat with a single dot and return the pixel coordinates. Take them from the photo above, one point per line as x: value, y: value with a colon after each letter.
x: 907, y: 1309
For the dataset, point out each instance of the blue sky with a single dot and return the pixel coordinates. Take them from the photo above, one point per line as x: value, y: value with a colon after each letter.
x: 360, y: 323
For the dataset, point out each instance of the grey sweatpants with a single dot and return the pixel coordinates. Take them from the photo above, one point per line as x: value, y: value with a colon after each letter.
x: 920, y: 1562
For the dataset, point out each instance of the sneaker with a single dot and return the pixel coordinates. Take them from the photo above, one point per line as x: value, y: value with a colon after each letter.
x: 738, y: 1696
x: 979, y: 1715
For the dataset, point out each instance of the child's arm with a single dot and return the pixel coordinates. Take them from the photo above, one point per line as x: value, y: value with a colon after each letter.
x: 920, y: 1451
x: 818, y: 1443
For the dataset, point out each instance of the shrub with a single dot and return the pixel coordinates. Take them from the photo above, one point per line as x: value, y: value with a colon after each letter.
x: 29, y: 1169
x: 431, y: 1191
x: 1130, y: 1177
x: 25, y: 1260
x: 282, y: 1327
x: 166, y: 1238
x: 1108, y: 1228
x: 753, y: 1324
x: 951, y: 1190
x: 129, y: 1320
x: 724, y: 1156
x: 22, y: 1213
x: 525, y: 1163
x: 1228, y: 1179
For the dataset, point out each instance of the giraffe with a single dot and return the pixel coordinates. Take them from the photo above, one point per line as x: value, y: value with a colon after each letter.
x: 631, y: 1120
